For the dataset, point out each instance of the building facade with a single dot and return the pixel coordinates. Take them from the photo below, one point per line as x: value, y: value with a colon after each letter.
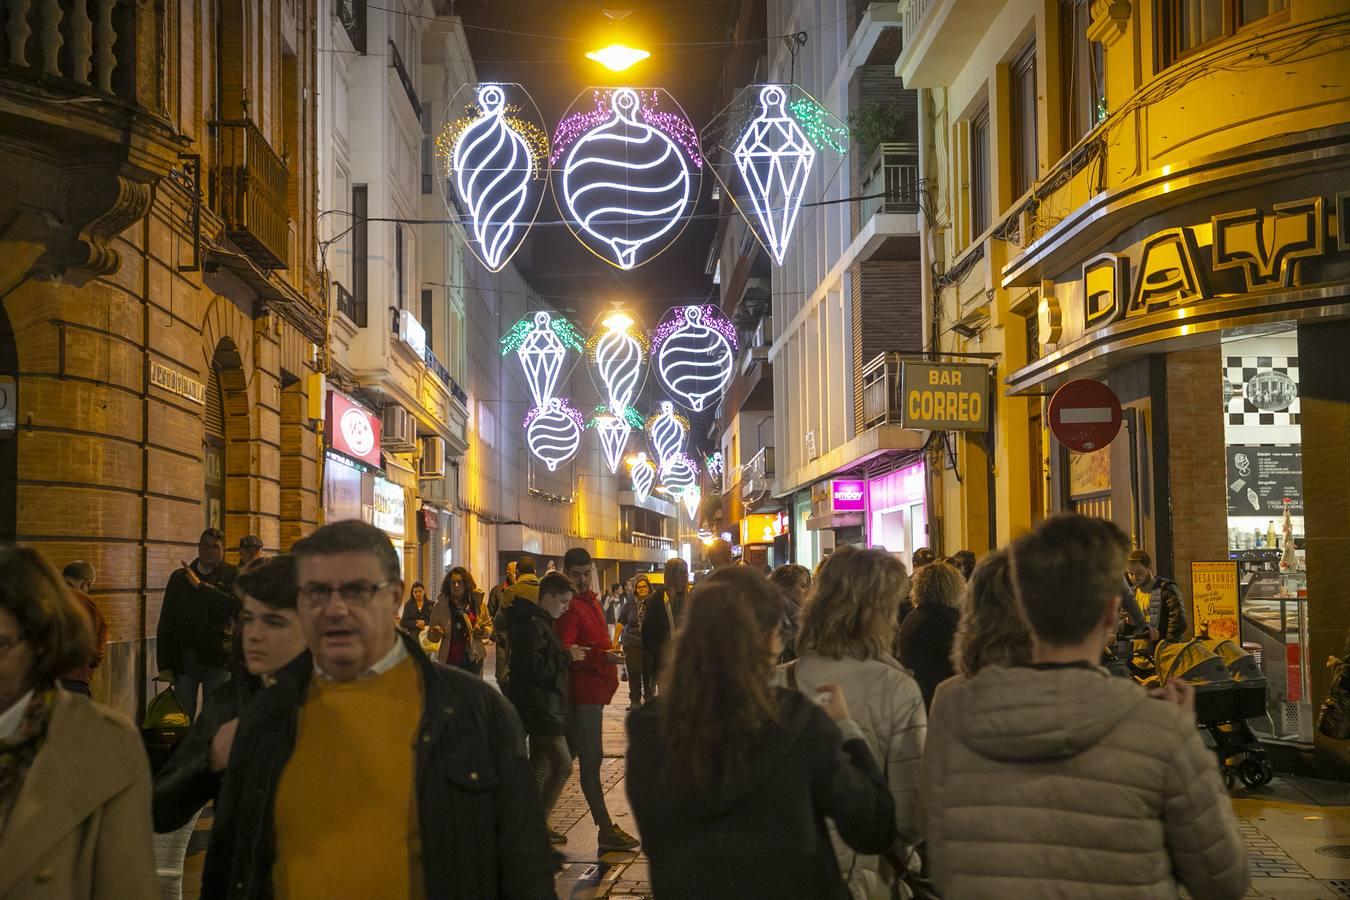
x: 846, y: 301
x: 163, y: 302
x: 1152, y: 196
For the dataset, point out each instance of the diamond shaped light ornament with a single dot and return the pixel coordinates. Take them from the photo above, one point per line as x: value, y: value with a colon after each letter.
x: 767, y: 149
x: 774, y: 159
x: 541, y: 341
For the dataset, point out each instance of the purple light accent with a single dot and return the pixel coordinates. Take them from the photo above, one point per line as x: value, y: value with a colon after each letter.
x: 713, y: 317
x: 673, y: 125
x: 848, y: 495
x: 900, y: 488
x: 567, y: 409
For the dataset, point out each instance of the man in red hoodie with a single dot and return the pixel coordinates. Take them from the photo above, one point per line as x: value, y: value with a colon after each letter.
x: 594, y: 679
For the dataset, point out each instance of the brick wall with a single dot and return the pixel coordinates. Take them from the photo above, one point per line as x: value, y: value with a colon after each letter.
x: 1195, y: 455
x: 877, y: 84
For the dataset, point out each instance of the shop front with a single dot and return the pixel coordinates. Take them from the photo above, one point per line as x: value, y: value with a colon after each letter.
x: 1217, y: 309
x: 763, y: 539
x: 897, y: 515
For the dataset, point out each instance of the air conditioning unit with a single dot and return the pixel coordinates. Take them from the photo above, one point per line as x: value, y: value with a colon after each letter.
x: 399, y: 432
x: 432, y: 463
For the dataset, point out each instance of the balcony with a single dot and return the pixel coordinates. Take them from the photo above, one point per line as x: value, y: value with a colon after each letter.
x: 874, y: 29
x: 939, y: 40
x: 890, y: 181
x: 347, y: 305
x: 248, y: 183
x: 881, y: 392
x: 650, y: 541
x: 396, y: 63
x: 352, y: 15
x: 756, y: 479
x: 437, y: 368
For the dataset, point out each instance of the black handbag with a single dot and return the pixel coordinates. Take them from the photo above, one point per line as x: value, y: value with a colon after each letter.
x: 1333, y: 717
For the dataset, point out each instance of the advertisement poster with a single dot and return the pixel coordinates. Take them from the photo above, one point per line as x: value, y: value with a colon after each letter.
x: 1214, y: 600
x: 1261, y: 478
x: 1090, y: 473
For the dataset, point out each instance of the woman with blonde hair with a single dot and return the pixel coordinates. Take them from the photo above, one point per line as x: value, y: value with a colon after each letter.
x: 992, y: 630
x: 924, y: 643
x: 847, y: 626
x: 731, y: 781
x: 74, y: 778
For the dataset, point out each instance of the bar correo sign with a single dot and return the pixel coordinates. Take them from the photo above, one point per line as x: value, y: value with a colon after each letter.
x: 944, y: 396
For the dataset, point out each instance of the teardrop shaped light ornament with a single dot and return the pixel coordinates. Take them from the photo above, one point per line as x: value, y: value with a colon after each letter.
x: 643, y: 475
x: 627, y: 172
x: 614, y: 431
x: 541, y: 341
x: 695, y: 348
x: 553, y: 432
x: 667, y: 430
x: 763, y: 148
x: 618, y: 352
x: 493, y: 152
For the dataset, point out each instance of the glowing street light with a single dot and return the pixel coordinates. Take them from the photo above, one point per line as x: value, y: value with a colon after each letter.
x: 618, y: 57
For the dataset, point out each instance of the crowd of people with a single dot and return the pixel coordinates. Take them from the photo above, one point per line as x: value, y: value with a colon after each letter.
x: 866, y: 730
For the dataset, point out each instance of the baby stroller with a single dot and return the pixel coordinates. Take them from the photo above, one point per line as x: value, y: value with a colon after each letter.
x: 1229, y: 690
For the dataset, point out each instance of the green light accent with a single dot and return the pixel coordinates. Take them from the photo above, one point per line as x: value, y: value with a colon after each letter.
x: 633, y: 417
x: 568, y: 334
x: 815, y: 121
x: 512, y: 340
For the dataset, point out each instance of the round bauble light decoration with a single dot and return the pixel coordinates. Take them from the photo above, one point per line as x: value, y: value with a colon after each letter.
x: 626, y: 172
x: 694, y: 348
x: 553, y: 432
x: 493, y: 152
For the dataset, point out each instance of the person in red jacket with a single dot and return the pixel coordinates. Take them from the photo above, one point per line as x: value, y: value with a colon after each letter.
x: 593, y: 681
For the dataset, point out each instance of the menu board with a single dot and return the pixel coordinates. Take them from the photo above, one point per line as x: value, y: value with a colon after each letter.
x: 1260, y: 479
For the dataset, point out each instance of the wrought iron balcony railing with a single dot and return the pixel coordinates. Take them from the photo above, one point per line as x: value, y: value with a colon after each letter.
x: 396, y: 63
x: 249, y: 187
x: 891, y: 180
x: 347, y: 305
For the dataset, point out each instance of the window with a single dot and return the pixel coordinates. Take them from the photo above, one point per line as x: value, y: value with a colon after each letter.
x: 398, y: 265
x: 1082, y: 72
x: 426, y: 148
x: 1187, y: 25
x: 1024, y: 121
x: 427, y: 310
x: 360, y: 252
x: 979, y: 173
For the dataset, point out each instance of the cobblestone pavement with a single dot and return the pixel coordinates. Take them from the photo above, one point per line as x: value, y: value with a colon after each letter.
x: 1297, y: 832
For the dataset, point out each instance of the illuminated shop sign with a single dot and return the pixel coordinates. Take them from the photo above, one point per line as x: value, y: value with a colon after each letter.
x: 762, y: 528
x: 944, y: 396
x: 352, y: 430
x: 848, y: 495
x: 389, y: 514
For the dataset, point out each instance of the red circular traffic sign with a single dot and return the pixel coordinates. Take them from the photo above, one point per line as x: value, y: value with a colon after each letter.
x: 1085, y: 415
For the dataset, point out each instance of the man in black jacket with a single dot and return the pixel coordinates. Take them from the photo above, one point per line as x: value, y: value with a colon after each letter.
x: 196, y: 621
x: 318, y: 800
x: 664, y: 614
x: 1159, y: 599
x: 538, y: 685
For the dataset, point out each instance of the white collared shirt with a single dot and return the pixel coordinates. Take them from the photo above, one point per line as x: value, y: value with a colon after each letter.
x: 395, y: 656
x: 12, y: 718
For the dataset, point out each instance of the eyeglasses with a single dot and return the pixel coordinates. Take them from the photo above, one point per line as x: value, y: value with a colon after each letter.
x: 353, y: 593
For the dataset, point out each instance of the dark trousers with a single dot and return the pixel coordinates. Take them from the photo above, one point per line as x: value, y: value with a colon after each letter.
x: 585, y: 739
x: 641, y: 686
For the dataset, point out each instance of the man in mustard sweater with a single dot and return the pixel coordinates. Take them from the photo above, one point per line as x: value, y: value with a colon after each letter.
x: 368, y: 770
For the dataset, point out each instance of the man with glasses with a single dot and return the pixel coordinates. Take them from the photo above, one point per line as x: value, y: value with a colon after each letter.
x: 368, y: 768
x: 196, y: 622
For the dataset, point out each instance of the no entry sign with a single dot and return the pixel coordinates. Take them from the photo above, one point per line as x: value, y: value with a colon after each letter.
x: 1085, y: 415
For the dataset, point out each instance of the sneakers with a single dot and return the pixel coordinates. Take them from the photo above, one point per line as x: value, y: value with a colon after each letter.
x: 556, y: 837
x: 615, y: 838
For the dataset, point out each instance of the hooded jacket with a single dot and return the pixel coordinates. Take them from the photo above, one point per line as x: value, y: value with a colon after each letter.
x: 594, y: 677
x: 763, y: 835
x: 1058, y: 782
x: 539, y: 668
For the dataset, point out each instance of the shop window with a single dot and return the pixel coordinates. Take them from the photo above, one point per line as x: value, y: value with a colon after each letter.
x: 1082, y: 72
x: 1189, y: 25
x: 1023, y: 80
x: 979, y: 173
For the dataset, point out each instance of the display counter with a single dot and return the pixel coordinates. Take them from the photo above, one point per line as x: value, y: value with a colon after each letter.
x: 1275, y: 624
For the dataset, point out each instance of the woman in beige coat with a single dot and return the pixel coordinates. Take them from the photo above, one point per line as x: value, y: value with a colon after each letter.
x: 844, y: 637
x: 74, y: 779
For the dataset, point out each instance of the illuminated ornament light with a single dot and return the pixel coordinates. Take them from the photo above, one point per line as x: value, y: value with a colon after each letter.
x: 774, y: 158
x: 691, y: 499
x: 643, y: 475
x: 553, y: 432
x: 617, y: 57
x: 618, y: 351
x: 713, y: 465
x: 541, y: 342
x: 627, y: 179
x: 668, y: 431
x: 614, y: 431
x: 695, y: 354
x: 764, y: 148
x: 495, y: 163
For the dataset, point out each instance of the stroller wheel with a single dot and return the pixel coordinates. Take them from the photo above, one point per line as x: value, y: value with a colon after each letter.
x: 1255, y: 772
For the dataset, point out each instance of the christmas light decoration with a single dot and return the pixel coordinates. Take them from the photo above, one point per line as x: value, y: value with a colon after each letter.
x: 494, y: 161
x: 618, y: 352
x: 713, y: 465
x: 614, y: 431
x: 692, y: 498
x: 643, y: 474
x: 764, y: 148
x: 541, y: 341
x: 774, y: 158
x: 695, y: 348
x: 553, y: 432
x: 668, y: 431
x: 627, y: 179
x: 617, y: 57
